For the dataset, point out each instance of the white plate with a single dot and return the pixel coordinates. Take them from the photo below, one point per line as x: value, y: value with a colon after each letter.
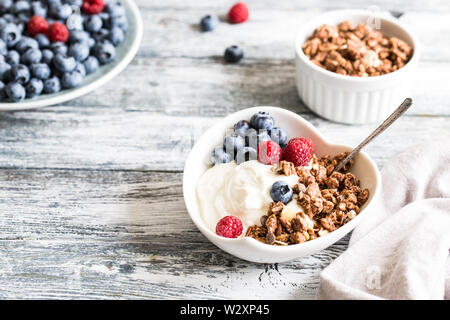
x: 124, y: 54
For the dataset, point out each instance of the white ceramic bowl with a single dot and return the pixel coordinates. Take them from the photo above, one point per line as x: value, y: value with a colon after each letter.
x: 124, y: 54
x: 248, y: 248
x: 347, y: 99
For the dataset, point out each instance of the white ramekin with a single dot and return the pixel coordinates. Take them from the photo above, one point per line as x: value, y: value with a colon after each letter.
x: 347, y: 99
x: 248, y: 248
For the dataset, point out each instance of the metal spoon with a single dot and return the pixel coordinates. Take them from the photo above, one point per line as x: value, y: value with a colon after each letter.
x: 386, y: 123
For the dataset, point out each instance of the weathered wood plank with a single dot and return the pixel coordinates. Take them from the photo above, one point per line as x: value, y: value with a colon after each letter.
x: 108, y: 234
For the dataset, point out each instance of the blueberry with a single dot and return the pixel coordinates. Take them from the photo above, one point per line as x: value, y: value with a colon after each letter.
x: 2, y: 91
x: 34, y: 88
x: 3, y: 48
x: 61, y: 12
x: 91, y: 64
x: 64, y: 63
x: 26, y: 43
x: 71, y: 80
x: 78, y: 36
x: 47, y: 56
x: 80, y: 69
x: 116, y: 36
x: 104, y: 52
x: 23, y: 17
x: 38, y: 9
x: 278, y: 135
x: 233, y: 143
x: 5, y: 5
x: 13, y: 57
x: 19, y: 73
x: 91, y: 42
x: 100, y: 35
x: 93, y: 23
x: 254, y: 137
x: 52, y: 85
x: 31, y: 56
x: 242, y: 127
x: 76, y: 3
x: 245, y: 154
x: 79, y: 50
x: 74, y: 22
x: 219, y: 155
x: 3, y: 22
x: 42, y: 40
x: 233, y: 54
x: 209, y: 23
x: 10, y: 34
x: 262, y: 120
x: 21, y: 6
x: 120, y: 22
x: 59, y: 48
x: 281, y: 191
x: 4, y: 71
x: 115, y: 9
x: 15, y: 91
x: 40, y: 71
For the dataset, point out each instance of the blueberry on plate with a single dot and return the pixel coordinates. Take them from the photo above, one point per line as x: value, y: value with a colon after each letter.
x: 34, y: 88
x: 42, y: 40
x: 80, y: 69
x: 21, y: 6
x: 246, y: 154
x: 232, y: 143
x: 4, y: 71
x: 242, y: 127
x: 52, y: 85
x: 47, y: 56
x: 62, y: 11
x: 3, y: 48
x: 15, y: 91
x: 40, y: 71
x: 10, y: 34
x: 26, y: 43
x: 115, y: 9
x: 120, y: 22
x: 262, y: 120
x: 31, y: 56
x: 255, y: 137
x: 93, y: 23
x: 278, y: 135
x: 209, y: 23
x: 64, y: 63
x: 219, y: 155
x: 78, y: 36
x: 233, y: 54
x: 71, y: 80
x: 104, y: 52
x: 91, y: 64
x: 6, y: 5
x: 281, y: 191
x: 59, y: 48
x: 38, y: 9
x: 19, y: 73
x: 116, y: 36
x: 79, y: 50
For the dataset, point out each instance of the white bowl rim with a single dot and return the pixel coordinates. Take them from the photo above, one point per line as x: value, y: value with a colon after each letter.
x: 83, y: 90
x: 251, y: 241
x: 313, y: 23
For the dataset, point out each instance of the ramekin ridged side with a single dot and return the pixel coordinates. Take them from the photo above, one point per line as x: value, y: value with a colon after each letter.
x: 353, y: 100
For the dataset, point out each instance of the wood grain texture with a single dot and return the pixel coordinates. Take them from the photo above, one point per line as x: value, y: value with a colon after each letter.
x: 90, y: 190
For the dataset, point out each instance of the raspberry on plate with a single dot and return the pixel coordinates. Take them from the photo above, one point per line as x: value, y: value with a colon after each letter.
x: 93, y: 6
x: 299, y: 151
x: 238, y: 13
x: 229, y: 227
x: 37, y: 25
x: 58, y: 32
x: 269, y: 152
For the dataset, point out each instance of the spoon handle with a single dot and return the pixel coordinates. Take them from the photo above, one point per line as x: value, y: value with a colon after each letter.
x: 386, y: 123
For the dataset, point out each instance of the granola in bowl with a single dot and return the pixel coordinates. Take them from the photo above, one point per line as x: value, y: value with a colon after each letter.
x: 356, y: 50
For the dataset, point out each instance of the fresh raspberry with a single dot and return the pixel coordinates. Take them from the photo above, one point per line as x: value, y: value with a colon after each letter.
x: 229, y: 227
x: 238, y: 13
x: 299, y: 151
x: 37, y: 25
x: 93, y: 6
x: 58, y: 32
x: 269, y: 152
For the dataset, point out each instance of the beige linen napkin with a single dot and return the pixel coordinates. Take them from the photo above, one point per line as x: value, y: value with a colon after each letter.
x: 401, y: 250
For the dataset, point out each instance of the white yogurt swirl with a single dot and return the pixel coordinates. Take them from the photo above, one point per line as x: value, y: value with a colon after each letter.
x: 240, y: 190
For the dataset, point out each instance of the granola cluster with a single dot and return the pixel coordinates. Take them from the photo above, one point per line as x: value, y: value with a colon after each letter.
x: 329, y: 200
x: 356, y: 51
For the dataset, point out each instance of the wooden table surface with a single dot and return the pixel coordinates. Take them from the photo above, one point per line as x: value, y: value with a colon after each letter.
x: 91, y: 202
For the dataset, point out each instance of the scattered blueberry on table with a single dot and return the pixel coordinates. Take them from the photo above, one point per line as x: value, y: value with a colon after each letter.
x: 50, y: 45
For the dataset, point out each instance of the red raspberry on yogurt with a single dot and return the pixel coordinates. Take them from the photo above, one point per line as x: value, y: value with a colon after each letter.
x: 299, y: 151
x: 269, y: 152
x: 229, y: 227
